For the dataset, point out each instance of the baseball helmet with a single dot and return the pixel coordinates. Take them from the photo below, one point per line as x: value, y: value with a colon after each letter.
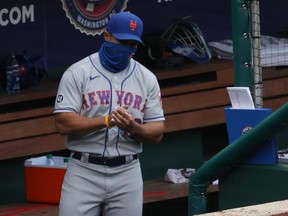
x: 184, y: 37
x: 152, y: 53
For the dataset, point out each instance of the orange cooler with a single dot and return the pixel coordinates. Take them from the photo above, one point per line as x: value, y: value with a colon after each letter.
x: 44, y: 181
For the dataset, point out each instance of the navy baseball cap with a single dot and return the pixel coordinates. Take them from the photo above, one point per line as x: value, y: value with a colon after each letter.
x: 125, y: 26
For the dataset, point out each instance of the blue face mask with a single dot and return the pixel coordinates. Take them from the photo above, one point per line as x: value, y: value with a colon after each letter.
x: 115, y: 57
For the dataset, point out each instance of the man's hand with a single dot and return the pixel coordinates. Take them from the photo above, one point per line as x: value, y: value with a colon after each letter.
x: 121, y: 118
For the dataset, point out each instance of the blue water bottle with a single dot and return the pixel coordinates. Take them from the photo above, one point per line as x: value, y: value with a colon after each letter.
x: 13, y: 76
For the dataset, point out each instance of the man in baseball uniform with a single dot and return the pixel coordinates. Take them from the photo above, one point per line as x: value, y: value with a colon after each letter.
x: 108, y: 105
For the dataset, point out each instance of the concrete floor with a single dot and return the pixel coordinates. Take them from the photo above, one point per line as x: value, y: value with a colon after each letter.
x: 279, y: 208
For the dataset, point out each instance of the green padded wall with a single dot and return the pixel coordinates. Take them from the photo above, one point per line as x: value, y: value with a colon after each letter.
x: 254, y: 184
x: 181, y: 149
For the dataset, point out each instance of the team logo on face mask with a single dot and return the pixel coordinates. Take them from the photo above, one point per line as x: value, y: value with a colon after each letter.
x: 92, y: 16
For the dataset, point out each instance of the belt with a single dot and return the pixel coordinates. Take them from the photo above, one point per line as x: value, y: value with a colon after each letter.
x: 107, y: 161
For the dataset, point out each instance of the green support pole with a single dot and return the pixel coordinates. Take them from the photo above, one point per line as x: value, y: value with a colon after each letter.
x: 242, y: 55
x: 234, y: 153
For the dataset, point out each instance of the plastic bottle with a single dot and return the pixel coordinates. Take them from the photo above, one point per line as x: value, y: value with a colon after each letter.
x: 50, y: 161
x: 65, y: 162
x: 13, y: 76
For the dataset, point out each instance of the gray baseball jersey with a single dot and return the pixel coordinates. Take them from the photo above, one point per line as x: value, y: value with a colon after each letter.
x: 89, y: 89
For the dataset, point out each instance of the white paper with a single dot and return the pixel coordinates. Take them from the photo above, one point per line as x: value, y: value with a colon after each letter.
x: 240, y: 98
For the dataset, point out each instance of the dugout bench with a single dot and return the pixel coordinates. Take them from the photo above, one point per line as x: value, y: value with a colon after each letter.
x: 194, y: 96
